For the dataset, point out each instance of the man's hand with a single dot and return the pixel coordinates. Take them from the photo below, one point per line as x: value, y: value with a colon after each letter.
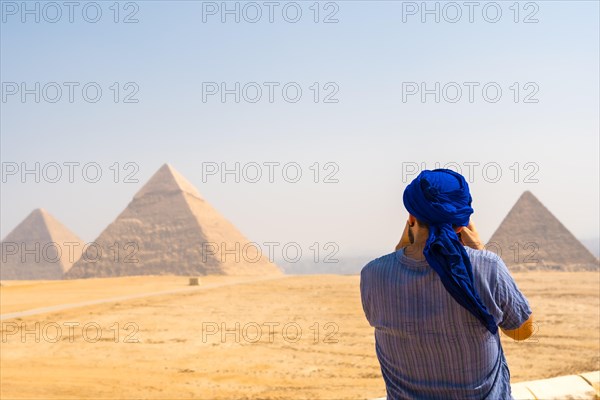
x: 470, y: 237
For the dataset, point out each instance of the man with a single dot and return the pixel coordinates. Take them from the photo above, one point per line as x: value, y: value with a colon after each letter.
x: 436, y: 305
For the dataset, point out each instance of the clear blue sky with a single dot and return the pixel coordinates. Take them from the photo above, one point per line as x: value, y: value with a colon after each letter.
x: 369, y: 133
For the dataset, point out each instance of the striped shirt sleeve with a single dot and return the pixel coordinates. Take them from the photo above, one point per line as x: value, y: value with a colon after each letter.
x: 514, y: 305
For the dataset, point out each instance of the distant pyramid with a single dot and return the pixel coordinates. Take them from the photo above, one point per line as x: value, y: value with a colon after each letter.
x: 530, y: 237
x: 169, y: 229
x: 40, y: 247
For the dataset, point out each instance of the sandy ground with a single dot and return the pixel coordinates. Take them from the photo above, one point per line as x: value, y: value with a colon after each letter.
x: 293, y: 337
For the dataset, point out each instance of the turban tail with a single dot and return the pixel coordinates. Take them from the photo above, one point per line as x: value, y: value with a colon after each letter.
x: 441, y: 199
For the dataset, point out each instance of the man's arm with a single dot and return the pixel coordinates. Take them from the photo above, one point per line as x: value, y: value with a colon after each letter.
x: 521, y: 333
x: 517, y: 317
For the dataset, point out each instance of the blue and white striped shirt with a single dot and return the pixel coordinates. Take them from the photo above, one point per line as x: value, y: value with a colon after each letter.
x: 429, y: 346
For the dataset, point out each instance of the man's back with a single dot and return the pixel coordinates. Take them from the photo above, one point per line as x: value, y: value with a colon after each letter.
x: 428, y: 345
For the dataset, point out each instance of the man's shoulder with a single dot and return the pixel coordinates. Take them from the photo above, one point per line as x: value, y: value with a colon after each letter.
x: 378, y: 263
x: 485, y: 265
x: 483, y: 256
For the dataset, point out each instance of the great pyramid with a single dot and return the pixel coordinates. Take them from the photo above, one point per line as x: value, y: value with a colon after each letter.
x: 530, y: 237
x: 169, y: 229
x: 40, y: 247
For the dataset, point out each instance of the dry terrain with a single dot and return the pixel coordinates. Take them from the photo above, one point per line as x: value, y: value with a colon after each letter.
x: 234, y: 339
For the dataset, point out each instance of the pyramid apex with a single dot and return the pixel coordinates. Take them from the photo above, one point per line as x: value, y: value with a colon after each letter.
x: 165, y: 180
x: 528, y: 197
x: 527, y: 193
x: 40, y: 212
x: 42, y: 219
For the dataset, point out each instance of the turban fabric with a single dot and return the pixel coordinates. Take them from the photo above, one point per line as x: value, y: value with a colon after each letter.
x: 441, y: 199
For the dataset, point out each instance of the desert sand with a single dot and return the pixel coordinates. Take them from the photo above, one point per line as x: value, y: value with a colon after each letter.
x: 170, y: 346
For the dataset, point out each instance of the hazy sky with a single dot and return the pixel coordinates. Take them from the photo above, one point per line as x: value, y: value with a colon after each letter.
x: 368, y: 127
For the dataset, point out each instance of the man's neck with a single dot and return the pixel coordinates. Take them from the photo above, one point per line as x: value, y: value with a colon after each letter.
x: 415, y: 251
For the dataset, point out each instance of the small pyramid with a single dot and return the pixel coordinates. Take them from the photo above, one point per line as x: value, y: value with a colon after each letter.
x: 40, y: 247
x: 169, y: 229
x: 530, y: 237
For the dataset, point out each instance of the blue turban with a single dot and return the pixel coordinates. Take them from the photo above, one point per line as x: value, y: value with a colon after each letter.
x: 441, y: 198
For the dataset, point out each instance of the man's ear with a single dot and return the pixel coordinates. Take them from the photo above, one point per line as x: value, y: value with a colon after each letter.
x: 458, y: 229
x: 411, y: 220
